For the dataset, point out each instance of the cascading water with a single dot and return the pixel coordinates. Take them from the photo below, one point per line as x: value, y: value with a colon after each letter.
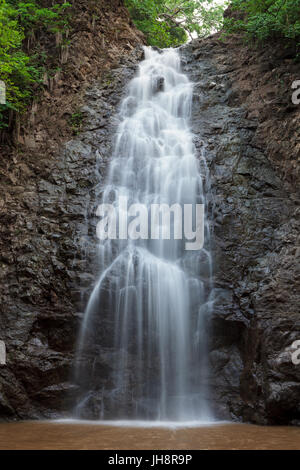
x: 145, y: 317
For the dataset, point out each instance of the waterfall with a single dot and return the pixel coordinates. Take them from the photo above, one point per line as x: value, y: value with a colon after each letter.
x: 142, y: 346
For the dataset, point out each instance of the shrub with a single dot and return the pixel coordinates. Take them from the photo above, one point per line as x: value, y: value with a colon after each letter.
x: 264, y: 19
x: 19, y: 70
x: 169, y: 23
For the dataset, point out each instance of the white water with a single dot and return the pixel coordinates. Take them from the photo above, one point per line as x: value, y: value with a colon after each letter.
x: 174, y: 425
x: 156, y: 293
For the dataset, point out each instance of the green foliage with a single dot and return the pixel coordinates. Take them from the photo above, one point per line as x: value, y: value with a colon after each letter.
x: 32, y: 17
x: 169, y: 23
x: 21, y: 71
x: 76, y: 121
x: 263, y: 19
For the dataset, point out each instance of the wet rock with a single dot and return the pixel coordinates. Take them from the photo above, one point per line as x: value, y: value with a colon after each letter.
x: 254, y: 323
x: 158, y: 84
x: 49, y: 259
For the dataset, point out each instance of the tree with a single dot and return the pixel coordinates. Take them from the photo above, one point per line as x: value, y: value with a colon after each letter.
x: 169, y: 23
x: 263, y: 19
x: 21, y: 70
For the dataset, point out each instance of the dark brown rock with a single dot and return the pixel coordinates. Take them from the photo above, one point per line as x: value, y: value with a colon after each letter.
x: 48, y: 249
x: 255, y: 223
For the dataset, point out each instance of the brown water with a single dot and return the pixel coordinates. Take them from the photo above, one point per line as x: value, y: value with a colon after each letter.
x: 46, y: 435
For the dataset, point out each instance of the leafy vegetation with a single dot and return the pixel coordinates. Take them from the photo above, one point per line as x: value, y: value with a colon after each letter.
x: 165, y: 23
x: 21, y: 71
x: 264, y: 19
x: 76, y: 121
x: 169, y: 23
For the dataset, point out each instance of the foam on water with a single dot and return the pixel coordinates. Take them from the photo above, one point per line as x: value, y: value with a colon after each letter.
x: 144, y: 424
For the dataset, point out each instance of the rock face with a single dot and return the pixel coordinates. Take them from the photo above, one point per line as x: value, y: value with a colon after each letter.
x: 254, y: 215
x: 48, y: 244
x: 46, y: 188
x: 254, y: 223
x: 48, y: 253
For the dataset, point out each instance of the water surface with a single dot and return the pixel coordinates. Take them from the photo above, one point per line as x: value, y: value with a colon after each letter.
x: 71, y: 436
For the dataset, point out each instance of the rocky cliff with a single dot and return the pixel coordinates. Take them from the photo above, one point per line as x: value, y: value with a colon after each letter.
x: 244, y: 119
x: 45, y: 191
x: 239, y: 108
